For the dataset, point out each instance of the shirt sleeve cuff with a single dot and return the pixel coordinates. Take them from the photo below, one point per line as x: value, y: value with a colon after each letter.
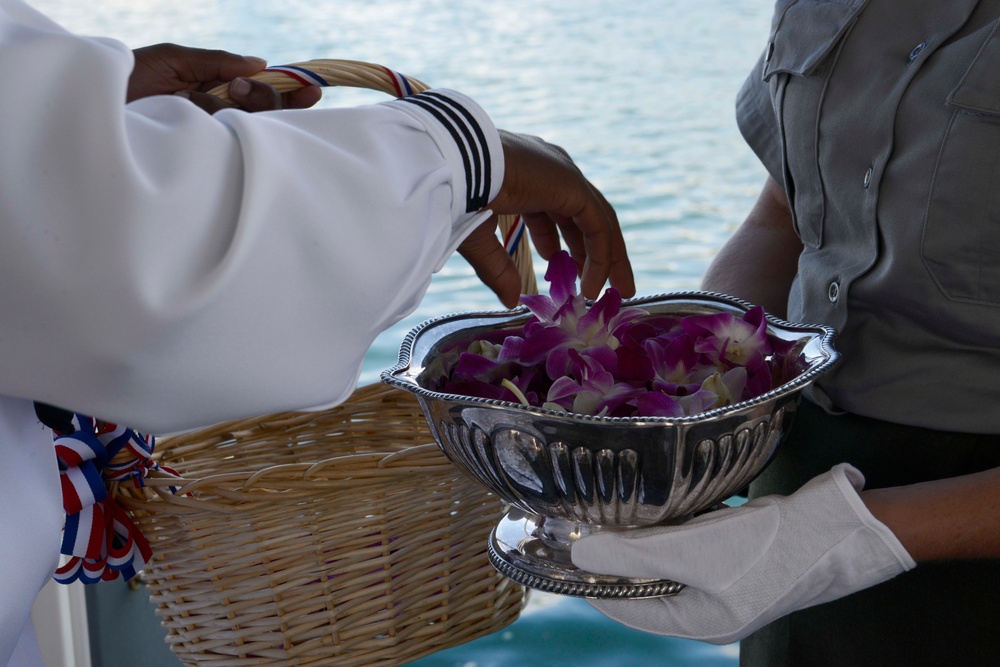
x: 469, y: 141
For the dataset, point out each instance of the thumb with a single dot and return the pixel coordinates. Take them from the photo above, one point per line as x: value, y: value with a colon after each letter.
x: 710, y: 553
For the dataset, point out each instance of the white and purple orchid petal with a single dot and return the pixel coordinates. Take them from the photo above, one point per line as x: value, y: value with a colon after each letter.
x: 476, y: 366
x: 569, y: 314
x: 587, y: 403
x: 702, y: 371
x: 544, y: 308
x: 655, y: 404
x: 714, y: 324
x: 541, y: 342
x: 728, y: 386
x: 621, y: 323
x: 633, y: 363
x: 523, y: 380
x: 558, y: 363
x: 561, y: 274
x: 756, y: 318
x: 619, y: 394
x: 596, y: 320
x: 590, y: 368
x: 676, y: 389
x: 511, y: 350
x: 759, y: 379
x: 604, y: 355
x: 698, y: 402
x: 562, y: 389
x: 567, y: 361
x: 673, y: 359
x: 485, y: 348
x: 788, y: 362
x: 759, y: 341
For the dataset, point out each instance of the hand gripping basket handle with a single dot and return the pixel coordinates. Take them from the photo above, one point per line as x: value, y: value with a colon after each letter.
x: 355, y: 74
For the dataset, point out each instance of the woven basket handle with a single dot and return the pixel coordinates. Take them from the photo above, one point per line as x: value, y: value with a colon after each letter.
x: 354, y: 74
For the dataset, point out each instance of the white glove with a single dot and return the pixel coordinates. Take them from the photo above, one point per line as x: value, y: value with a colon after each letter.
x: 747, y: 566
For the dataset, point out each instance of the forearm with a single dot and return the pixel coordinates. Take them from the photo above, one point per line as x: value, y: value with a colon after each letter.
x: 183, y: 269
x: 760, y: 260
x: 944, y: 519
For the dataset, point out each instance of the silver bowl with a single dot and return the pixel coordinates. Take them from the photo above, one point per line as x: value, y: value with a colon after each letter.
x: 566, y: 475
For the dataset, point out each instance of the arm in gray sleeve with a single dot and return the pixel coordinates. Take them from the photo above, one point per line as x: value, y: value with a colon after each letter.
x: 756, y: 118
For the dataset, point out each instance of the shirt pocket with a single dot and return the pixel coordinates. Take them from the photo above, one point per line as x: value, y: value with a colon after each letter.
x: 960, y: 245
x: 805, y: 35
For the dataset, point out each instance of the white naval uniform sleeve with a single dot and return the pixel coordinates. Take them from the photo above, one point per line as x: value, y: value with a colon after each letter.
x: 30, y: 526
x: 167, y: 269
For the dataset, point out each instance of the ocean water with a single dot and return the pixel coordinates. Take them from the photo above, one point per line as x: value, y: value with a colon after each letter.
x: 640, y: 94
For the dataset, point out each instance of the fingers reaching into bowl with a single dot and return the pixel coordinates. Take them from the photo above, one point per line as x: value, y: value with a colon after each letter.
x: 559, y: 205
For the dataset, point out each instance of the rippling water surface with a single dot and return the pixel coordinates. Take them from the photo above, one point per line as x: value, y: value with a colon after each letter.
x: 640, y: 93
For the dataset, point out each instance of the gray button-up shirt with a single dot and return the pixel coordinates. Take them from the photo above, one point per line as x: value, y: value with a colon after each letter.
x: 882, y: 119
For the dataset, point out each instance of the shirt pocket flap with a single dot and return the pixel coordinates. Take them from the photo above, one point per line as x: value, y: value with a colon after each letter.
x: 805, y: 32
x: 978, y: 90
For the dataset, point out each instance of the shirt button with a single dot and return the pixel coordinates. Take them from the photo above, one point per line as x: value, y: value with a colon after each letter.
x: 868, y: 177
x: 916, y: 51
x: 833, y: 293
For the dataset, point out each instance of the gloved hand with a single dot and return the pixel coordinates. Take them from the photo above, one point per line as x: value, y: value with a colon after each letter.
x: 747, y: 566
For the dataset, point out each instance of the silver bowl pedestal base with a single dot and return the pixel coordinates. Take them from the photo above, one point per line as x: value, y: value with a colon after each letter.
x: 535, y: 551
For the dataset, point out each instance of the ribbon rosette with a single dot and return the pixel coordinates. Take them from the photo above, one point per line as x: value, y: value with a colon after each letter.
x: 99, y: 536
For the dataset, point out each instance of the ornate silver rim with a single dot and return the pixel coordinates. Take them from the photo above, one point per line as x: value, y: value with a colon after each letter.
x: 559, y: 587
x: 403, y: 376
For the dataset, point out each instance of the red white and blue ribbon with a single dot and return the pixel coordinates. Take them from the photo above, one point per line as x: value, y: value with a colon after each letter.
x: 400, y: 83
x: 304, y: 76
x: 308, y: 77
x: 100, y: 538
x: 513, y: 237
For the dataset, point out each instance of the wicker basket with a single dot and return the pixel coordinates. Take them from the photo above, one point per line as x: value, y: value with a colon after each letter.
x: 342, y: 537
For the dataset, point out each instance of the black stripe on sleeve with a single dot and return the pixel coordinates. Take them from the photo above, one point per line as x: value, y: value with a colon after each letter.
x: 487, y: 176
x: 468, y: 137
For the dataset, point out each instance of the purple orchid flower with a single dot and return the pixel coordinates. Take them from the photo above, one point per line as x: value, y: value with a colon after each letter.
x: 619, y: 362
x: 590, y: 389
x: 658, y: 404
x: 570, y: 325
x: 726, y: 338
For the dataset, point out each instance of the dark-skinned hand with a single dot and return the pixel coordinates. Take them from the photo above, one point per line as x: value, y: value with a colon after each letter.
x: 544, y: 185
x: 167, y: 69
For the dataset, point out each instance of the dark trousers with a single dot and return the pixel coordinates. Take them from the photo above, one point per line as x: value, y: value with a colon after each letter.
x: 940, y: 613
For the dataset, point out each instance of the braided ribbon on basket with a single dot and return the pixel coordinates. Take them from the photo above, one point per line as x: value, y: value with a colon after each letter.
x: 354, y: 74
x: 100, y: 538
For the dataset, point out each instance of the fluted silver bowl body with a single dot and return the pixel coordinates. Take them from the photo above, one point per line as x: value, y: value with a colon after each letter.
x: 607, y: 471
